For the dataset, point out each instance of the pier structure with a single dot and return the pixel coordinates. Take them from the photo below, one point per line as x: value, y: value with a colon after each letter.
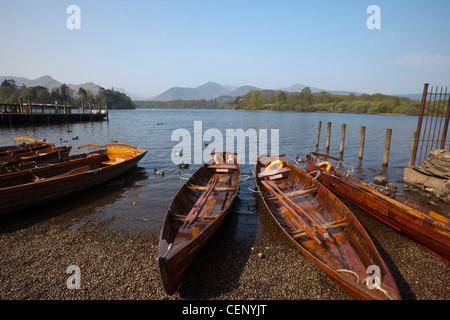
x: 30, y: 113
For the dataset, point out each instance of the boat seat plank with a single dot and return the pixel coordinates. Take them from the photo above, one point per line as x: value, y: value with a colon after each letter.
x: 301, y: 192
x: 223, y: 166
x: 194, y: 187
x: 282, y: 171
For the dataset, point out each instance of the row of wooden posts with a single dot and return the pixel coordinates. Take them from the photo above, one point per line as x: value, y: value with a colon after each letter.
x: 387, y: 142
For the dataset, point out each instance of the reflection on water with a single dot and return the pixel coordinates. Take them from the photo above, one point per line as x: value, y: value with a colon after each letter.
x: 140, y: 199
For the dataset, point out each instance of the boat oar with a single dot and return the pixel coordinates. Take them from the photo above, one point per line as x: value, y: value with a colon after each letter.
x: 117, y: 144
x: 90, y: 145
x: 302, y: 222
x: 24, y: 138
x: 309, y: 218
x: 200, y: 202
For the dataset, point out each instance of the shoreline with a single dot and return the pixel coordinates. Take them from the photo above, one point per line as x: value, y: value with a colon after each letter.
x: 36, y: 252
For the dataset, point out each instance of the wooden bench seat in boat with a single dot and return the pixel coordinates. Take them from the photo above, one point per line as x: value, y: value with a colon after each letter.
x: 274, y: 174
x: 327, y: 226
x: 223, y: 168
x: 196, y: 188
x: 302, y: 192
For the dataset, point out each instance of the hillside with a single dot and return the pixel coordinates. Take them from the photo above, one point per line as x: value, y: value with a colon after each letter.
x: 50, y: 83
x: 213, y: 90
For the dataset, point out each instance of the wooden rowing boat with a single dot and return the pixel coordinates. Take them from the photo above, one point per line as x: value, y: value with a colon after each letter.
x: 194, y: 215
x: 27, y: 188
x: 323, y: 229
x: 24, y: 147
x: 422, y: 225
x: 29, y: 159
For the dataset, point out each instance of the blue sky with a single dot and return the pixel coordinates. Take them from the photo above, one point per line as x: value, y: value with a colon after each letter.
x: 147, y: 47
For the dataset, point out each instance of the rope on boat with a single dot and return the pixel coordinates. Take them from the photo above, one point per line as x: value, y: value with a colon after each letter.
x: 182, y: 178
x: 167, y: 252
x: 350, y: 169
x: 254, y: 191
x: 351, y: 272
x: 319, y: 172
x: 375, y: 286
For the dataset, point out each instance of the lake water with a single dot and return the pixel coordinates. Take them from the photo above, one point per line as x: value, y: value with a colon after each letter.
x: 140, y: 199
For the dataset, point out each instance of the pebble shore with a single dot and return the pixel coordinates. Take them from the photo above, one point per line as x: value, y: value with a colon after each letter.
x: 35, y: 253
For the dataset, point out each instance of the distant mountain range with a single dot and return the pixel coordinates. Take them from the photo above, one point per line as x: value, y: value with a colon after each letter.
x: 213, y: 90
x: 50, y: 83
x: 209, y: 90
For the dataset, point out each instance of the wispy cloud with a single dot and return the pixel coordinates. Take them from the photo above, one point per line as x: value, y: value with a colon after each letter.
x: 426, y: 61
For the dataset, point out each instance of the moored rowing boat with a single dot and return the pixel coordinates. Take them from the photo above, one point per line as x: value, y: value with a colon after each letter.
x: 423, y: 225
x: 29, y: 159
x: 194, y: 215
x: 24, y: 147
x: 27, y: 188
x: 323, y: 229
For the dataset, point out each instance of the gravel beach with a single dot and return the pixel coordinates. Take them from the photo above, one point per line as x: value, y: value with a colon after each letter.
x: 36, y: 250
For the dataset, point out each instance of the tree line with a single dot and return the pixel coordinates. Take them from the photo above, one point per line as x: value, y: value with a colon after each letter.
x: 186, y: 104
x: 323, y: 101
x: 11, y: 93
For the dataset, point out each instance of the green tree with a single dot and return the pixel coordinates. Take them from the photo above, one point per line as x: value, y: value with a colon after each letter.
x: 9, y: 83
x: 306, y: 95
x: 83, y: 94
x: 257, y: 101
x: 65, y: 93
x: 116, y: 100
x: 280, y: 97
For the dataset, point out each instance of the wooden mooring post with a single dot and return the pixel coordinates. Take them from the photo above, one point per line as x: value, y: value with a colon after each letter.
x: 318, y: 135
x: 362, y: 139
x: 387, y: 147
x: 327, y: 144
x: 341, y: 147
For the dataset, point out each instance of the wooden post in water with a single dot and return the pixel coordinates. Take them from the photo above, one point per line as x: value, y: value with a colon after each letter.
x: 56, y: 106
x: 65, y: 110
x: 411, y: 156
x: 341, y: 148
x: 318, y: 135
x: 106, y: 107
x: 327, y: 145
x: 387, y: 146
x: 20, y: 105
x: 30, y: 111
x: 361, y: 143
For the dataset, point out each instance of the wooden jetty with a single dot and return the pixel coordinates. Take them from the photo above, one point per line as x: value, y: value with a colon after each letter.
x: 30, y: 113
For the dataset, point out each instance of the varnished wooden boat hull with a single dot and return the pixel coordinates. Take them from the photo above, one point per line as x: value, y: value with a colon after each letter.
x: 180, y: 242
x: 24, y: 147
x: 25, y: 189
x: 346, y: 253
x: 424, y: 226
x: 25, y: 160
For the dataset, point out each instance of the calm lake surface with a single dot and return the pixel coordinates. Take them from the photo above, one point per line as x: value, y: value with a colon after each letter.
x: 140, y: 199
